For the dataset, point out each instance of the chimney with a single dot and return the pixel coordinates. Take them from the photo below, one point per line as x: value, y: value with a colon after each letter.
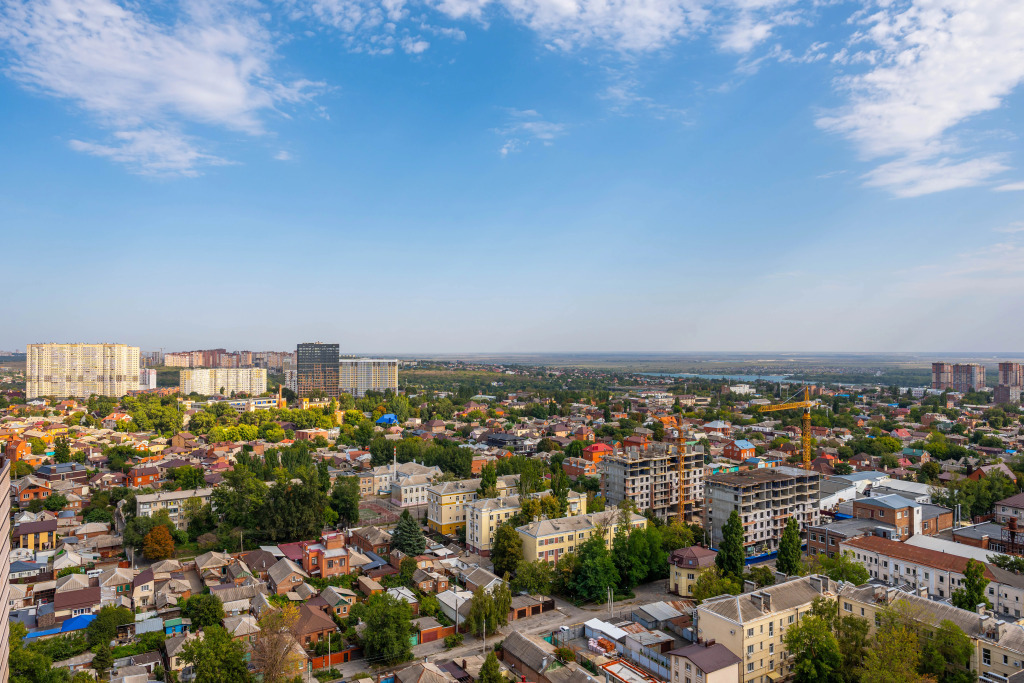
x: 816, y: 582
x: 781, y: 577
x: 710, y: 642
x: 980, y: 609
x: 749, y: 586
x: 766, y: 599
x: 463, y: 664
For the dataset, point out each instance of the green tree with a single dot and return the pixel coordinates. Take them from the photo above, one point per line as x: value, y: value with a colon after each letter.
x: 188, y: 477
x: 816, y: 652
x: 55, y: 502
x: 204, y: 609
x: 851, y: 633
x: 674, y: 536
x: 406, y: 568
x: 842, y: 567
x: 345, y: 500
x: 712, y: 583
x: 893, y: 656
x: 216, y: 658
x: 488, y: 611
x: 731, y: 556
x: 507, y: 550
x: 61, y: 450
x: 532, y: 577
x: 595, y: 570
x: 408, y: 536
x: 488, y: 482
x: 762, y: 576
x: 102, y: 659
x: 972, y: 592
x: 490, y: 672
x: 103, y: 629
x: 388, y: 626
x: 947, y: 655
x: 789, y: 557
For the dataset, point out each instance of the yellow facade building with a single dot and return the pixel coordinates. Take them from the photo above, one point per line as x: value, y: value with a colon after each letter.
x: 448, y: 502
x: 486, y: 515
x: 753, y: 625
x: 549, y: 539
x: 81, y: 370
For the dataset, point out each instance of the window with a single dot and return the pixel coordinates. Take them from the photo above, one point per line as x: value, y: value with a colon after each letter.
x: 848, y: 607
x: 750, y: 633
x: 750, y: 666
x: 986, y: 656
x: 750, y: 649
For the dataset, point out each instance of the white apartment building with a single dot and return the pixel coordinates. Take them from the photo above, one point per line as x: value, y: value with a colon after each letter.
x: 147, y: 379
x: 81, y: 370
x: 224, y: 381
x: 148, y: 504
x: 358, y: 375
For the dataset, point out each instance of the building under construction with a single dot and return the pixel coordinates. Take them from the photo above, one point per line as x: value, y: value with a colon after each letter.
x: 650, y: 476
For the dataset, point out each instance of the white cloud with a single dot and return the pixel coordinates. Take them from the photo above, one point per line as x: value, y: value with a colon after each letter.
x: 936, y: 64
x: 1011, y: 187
x: 626, y: 25
x: 414, y: 46
x: 144, y: 80
x: 913, y: 177
x: 524, y: 126
x: 745, y: 34
x: 283, y: 155
x: 152, y: 152
x: 1012, y: 228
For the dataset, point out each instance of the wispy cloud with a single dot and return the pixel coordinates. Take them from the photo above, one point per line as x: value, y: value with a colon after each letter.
x: 145, y: 81
x: 1011, y: 187
x: 524, y: 126
x: 623, y: 96
x: 934, y: 64
x: 283, y: 155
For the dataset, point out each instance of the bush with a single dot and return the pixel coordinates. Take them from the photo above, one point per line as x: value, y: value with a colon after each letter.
x: 565, y: 654
x: 453, y: 640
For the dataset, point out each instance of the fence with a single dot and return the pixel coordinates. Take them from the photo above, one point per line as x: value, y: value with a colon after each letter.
x: 335, y: 659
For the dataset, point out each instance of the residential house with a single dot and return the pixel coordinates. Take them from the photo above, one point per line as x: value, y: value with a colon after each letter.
x: 371, y: 539
x: 685, y: 566
x: 326, y: 558
x: 706, y: 662
x: 284, y: 576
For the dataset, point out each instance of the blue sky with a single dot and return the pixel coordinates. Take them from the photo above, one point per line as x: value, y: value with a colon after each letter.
x: 514, y: 175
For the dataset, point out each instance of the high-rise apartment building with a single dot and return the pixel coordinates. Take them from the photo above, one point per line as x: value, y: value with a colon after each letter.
x: 650, y: 478
x: 358, y: 375
x: 942, y: 375
x: 765, y: 500
x: 223, y: 381
x: 5, y: 567
x: 968, y: 377
x: 960, y: 377
x: 1011, y: 374
x: 317, y: 369
x: 81, y: 370
x: 147, y: 379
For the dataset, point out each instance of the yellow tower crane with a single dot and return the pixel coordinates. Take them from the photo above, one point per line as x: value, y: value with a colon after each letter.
x: 805, y: 422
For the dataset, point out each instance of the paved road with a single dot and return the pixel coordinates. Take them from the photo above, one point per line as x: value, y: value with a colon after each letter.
x: 564, y: 614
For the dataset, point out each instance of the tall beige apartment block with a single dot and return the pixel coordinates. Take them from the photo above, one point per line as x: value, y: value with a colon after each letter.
x: 5, y: 567
x: 226, y: 381
x: 81, y: 370
x: 356, y: 376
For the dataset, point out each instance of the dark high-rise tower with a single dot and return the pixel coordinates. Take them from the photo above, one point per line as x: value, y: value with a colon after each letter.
x: 316, y: 366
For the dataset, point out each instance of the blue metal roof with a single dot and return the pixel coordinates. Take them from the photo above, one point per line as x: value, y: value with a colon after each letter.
x: 387, y: 419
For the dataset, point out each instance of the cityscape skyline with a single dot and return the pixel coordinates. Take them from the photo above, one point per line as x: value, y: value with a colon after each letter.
x: 720, y: 175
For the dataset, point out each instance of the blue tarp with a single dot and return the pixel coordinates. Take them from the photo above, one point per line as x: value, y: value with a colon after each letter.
x: 387, y: 419
x: 77, y: 623
x: 73, y: 624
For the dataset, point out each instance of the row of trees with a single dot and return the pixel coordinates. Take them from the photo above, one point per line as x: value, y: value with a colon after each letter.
x: 829, y: 647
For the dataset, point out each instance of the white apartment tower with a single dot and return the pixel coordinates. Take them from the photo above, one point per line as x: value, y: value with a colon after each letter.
x: 358, y: 375
x: 81, y: 370
x: 226, y: 381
